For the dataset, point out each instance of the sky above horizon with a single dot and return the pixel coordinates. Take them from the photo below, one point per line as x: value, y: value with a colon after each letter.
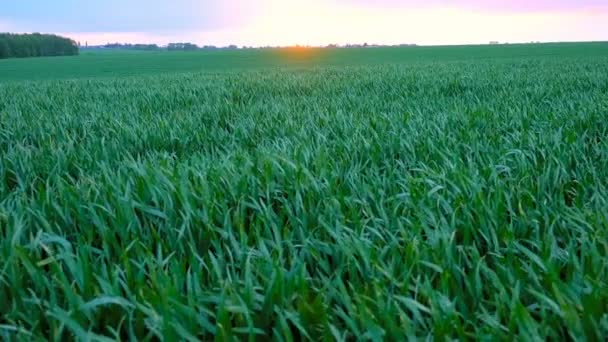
x: 310, y: 22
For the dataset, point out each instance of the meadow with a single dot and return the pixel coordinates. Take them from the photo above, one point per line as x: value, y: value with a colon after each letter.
x: 373, y: 194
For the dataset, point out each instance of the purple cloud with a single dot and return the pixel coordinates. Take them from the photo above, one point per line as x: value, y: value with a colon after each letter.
x: 489, y: 5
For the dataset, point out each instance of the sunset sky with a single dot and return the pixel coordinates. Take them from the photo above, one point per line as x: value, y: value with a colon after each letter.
x: 310, y: 22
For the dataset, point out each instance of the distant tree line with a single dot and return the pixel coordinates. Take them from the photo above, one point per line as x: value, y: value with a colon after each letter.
x: 154, y: 47
x: 182, y: 47
x: 213, y: 47
x: 35, y: 45
x: 192, y: 47
x: 144, y: 47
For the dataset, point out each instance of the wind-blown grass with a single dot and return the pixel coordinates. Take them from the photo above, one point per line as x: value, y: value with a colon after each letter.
x: 114, y: 63
x: 446, y: 199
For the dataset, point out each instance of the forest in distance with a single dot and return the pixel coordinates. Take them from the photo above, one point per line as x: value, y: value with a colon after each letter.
x: 35, y: 45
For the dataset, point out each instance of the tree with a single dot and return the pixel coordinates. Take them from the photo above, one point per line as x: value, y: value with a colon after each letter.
x: 35, y: 45
x: 5, y: 51
x: 182, y: 47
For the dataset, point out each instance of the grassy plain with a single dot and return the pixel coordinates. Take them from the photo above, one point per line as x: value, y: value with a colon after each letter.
x: 453, y: 192
x: 130, y: 63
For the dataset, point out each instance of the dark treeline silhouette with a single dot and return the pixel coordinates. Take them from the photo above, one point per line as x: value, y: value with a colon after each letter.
x: 155, y: 47
x: 145, y: 47
x: 35, y: 45
x: 182, y: 47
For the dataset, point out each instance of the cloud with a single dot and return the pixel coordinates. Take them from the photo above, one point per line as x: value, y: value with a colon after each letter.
x: 117, y: 15
x: 314, y: 22
x: 5, y: 26
x: 484, y: 5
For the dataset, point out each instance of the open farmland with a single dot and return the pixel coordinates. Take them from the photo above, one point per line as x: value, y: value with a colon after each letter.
x: 453, y: 192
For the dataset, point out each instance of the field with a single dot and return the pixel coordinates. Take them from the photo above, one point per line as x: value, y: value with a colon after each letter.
x: 375, y: 194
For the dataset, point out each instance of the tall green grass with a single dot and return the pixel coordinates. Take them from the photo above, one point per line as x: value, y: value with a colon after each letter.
x: 453, y: 200
x: 112, y: 63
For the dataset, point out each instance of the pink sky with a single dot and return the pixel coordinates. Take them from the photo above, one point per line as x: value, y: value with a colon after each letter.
x: 316, y: 22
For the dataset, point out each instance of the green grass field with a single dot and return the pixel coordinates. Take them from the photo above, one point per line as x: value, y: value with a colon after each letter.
x: 374, y: 194
x: 131, y: 63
